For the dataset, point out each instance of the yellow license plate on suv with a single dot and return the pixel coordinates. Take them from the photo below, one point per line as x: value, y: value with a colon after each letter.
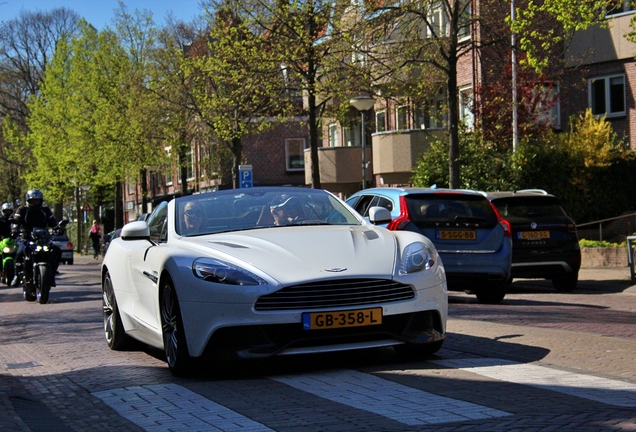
x: 342, y: 319
x: 457, y: 235
x: 534, y: 235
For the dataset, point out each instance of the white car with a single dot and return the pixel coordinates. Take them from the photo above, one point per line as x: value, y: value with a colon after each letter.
x: 270, y: 271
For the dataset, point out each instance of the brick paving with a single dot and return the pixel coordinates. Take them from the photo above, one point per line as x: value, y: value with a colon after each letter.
x: 55, y: 368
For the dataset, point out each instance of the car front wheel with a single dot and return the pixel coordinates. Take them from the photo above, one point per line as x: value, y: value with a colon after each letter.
x: 174, y: 342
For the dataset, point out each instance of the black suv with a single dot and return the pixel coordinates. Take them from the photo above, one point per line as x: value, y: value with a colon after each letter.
x: 544, y: 239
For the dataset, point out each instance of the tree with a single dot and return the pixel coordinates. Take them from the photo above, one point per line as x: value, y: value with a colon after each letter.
x: 27, y: 44
x: 236, y: 81
x: 310, y: 46
x: 440, y: 33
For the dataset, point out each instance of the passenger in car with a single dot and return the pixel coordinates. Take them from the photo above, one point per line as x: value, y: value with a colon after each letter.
x: 286, y: 210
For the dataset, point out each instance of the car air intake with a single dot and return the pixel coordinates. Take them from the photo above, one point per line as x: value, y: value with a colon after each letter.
x: 335, y: 293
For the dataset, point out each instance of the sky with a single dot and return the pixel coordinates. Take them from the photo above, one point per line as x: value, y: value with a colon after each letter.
x: 100, y: 12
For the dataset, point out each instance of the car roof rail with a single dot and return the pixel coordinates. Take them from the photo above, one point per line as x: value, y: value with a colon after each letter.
x: 537, y: 191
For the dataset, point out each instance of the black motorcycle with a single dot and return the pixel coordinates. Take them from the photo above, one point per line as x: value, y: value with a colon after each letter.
x: 39, y: 263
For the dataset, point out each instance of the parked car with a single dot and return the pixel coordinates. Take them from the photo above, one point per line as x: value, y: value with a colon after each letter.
x: 110, y: 237
x: 544, y: 239
x: 66, y: 247
x: 266, y: 271
x: 472, y: 240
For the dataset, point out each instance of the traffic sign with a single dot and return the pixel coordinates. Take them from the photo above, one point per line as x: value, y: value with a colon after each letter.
x: 87, y: 207
x: 245, y: 176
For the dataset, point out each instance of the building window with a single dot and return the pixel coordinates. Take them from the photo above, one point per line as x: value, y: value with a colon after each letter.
x: 401, y: 117
x: 433, y: 113
x: 615, y: 7
x: 548, y: 106
x: 466, y: 108
x: 168, y: 169
x: 463, y: 32
x: 607, y: 95
x: 295, y: 154
x: 333, y: 135
x: 380, y: 121
x: 132, y: 186
x: 352, y: 134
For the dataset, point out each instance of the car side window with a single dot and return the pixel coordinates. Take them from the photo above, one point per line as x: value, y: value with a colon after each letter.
x: 157, y: 222
x: 363, y: 204
x: 384, y: 202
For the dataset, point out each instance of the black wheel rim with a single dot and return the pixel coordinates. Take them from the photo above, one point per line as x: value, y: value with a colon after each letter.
x: 169, y: 322
x: 108, y: 299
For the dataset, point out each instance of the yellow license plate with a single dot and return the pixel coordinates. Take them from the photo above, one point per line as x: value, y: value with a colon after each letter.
x: 533, y: 235
x: 341, y: 319
x: 457, y: 235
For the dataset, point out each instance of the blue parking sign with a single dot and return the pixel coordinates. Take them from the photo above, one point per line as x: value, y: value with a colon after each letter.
x: 245, y: 176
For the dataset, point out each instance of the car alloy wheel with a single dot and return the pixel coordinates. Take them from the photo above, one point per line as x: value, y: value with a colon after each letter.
x: 174, y: 343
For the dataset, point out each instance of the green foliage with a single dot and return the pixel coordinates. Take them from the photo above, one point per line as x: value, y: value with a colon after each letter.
x: 600, y: 244
x: 482, y: 164
x: 583, y: 166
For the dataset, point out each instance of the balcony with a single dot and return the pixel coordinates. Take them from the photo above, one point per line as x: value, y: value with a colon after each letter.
x: 340, y: 168
x: 396, y: 153
x: 597, y: 44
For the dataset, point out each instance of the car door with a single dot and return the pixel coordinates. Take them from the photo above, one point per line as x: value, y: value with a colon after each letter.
x: 144, y: 269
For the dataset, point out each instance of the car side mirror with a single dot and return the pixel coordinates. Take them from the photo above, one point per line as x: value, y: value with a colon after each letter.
x: 379, y: 215
x: 137, y: 230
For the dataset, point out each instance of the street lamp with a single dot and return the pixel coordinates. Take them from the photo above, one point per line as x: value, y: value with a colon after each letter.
x: 362, y: 104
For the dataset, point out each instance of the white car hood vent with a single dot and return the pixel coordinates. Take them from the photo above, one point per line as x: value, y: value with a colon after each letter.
x: 335, y: 293
x: 232, y: 245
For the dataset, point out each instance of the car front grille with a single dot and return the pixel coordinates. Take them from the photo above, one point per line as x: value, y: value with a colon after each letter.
x: 335, y: 293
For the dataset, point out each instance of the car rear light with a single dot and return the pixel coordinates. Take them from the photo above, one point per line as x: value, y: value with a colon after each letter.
x: 504, y: 223
x: 400, y: 222
x: 571, y: 227
x: 69, y: 245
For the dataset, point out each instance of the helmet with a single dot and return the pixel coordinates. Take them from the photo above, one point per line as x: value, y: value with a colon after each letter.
x: 34, y: 198
x: 7, y: 209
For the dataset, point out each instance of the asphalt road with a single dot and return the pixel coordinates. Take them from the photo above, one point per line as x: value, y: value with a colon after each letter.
x: 540, y: 360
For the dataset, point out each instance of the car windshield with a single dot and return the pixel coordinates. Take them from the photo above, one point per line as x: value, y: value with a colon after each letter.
x: 529, y: 207
x: 256, y: 208
x: 454, y: 207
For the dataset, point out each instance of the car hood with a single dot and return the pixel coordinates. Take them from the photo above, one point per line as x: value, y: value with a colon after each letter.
x: 313, y: 252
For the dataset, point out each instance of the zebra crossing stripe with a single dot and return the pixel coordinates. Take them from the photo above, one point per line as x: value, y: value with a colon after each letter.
x: 170, y: 407
x: 607, y: 391
x: 398, y: 402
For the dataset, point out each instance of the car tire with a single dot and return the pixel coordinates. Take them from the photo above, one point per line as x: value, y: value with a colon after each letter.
x: 494, y: 293
x: 116, y: 336
x: 174, y: 342
x: 565, y: 282
x: 69, y: 262
x: 418, y: 351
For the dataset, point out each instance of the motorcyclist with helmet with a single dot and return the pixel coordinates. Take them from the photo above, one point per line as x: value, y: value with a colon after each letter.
x: 5, y: 220
x: 35, y: 215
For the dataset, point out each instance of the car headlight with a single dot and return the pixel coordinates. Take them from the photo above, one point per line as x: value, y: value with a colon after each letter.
x: 416, y: 257
x: 6, y: 250
x: 217, y: 271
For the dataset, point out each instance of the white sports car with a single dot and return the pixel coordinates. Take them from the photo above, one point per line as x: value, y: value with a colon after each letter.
x: 266, y: 271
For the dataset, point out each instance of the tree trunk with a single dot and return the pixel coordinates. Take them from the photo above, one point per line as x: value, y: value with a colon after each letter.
x: 453, y: 121
x: 119, y: 209
x: 237, y: 156
x: 143, y: 182
x: 313, y: 142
